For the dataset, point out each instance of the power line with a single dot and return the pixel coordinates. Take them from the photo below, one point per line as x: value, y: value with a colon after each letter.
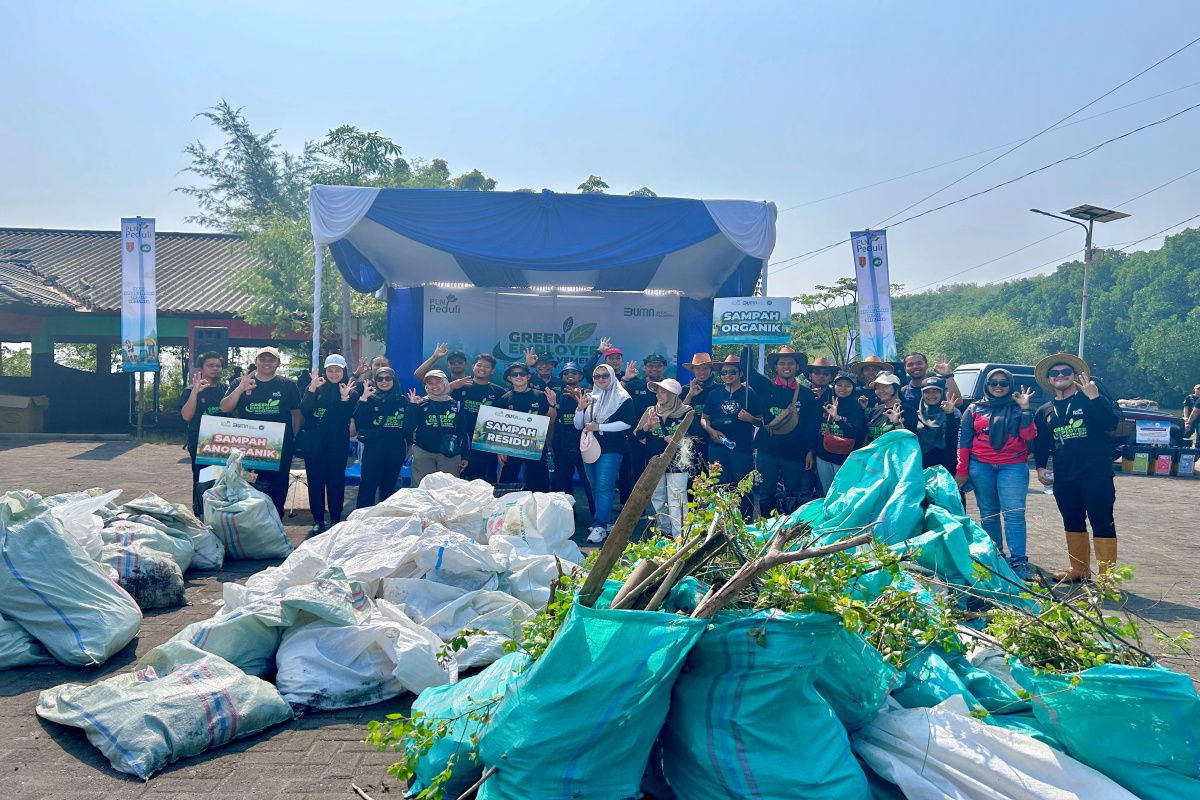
x: 1024, y: 142
x: 980, y: 152
x: 1074, y: 157
x: 1053, y: 235
x: 1121, y: 249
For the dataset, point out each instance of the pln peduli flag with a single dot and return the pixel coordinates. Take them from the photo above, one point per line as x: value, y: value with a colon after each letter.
x: 139, y: 318
x: 876, y: 332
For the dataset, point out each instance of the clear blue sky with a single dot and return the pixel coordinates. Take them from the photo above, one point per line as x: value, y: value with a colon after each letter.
x: 784, y: 101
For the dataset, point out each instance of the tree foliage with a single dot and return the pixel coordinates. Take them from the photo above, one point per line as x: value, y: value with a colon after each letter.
x: 251, y: 186
x: 1143, y: 310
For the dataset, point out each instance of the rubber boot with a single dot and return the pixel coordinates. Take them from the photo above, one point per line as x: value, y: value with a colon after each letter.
x: 1079, y: 555
x: 1106, y: 553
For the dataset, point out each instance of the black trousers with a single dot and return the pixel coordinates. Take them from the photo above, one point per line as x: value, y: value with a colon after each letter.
x: 274, y: 483
x: 625, y: 478
x: 567, y: 462
x: 735, y: 465
x: 327, y: 481
x: 1087, y: 499
x: 537, y: 476
x: 779, y: 474
x: 197, y: 495
x: 382, y: 461
x: 480, y: 466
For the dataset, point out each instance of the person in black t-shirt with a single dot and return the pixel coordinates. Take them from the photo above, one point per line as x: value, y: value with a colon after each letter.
x: 267, y: 396
x: 780, y: 458
x: 731, y: 413
x: 328, y: 406
x: 202, y: 398
x: 379, y: 420
x: 565, y: 439
x: 701, y: 367
x: 1074, y: 427
x: 437, y: 428
x: 1190, y: 403
x: 473, y: 393
x: 527, y: 401
x: 543, y: 372
x: 642, y: 397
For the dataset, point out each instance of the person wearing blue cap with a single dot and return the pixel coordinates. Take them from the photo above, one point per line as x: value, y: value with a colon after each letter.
x: 543, y: 372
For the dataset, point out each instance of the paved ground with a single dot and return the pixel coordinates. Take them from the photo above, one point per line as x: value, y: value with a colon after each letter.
x: 319, y: 755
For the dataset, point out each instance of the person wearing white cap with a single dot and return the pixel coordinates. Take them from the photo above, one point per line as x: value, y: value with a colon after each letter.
x: 654, y: 430
x: 888, y: 413
x: 327, y: 406
x: 267, y: 396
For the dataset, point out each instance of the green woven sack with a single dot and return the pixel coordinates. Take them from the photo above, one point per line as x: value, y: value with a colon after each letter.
x: 581, y: 724
x: 1140, y: 726
x: 746, y: 720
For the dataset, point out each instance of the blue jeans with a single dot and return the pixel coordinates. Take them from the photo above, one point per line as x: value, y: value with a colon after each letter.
x: 1000, y: 490
x: 602, y: 476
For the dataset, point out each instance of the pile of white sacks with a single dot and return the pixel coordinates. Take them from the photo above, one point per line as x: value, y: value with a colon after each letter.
x: 395, y: 584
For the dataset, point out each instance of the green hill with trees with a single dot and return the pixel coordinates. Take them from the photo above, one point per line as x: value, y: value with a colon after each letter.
x: 1143, y: 317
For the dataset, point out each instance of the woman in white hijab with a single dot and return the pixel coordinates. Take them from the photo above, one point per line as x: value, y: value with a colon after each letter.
x: 607, y: 413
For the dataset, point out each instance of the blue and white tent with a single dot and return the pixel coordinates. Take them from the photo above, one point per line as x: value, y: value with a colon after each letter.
x: 410, y: 238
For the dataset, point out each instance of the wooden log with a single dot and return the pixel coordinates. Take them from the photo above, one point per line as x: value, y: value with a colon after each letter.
x: 647, y: 582
x: 641, y: 570
x: 631, y: 512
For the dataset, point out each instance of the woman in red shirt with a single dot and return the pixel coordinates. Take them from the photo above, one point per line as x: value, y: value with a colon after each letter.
x: 993, y: 452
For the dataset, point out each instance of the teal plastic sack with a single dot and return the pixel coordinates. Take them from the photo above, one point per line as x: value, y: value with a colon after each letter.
x: 243, y: 517
x: 854, y: 679
x: 581, y: 724
x: 456, y: 704
x: 746, y: 720
x: 55, y: 591
x: 178, y: 703
x: 1140, y: 726
x: 18, y: 648
x: 881, y: 483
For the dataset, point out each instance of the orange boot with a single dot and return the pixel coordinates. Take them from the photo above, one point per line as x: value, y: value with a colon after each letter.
x: 1106, y: 553
x: 1079, y: 555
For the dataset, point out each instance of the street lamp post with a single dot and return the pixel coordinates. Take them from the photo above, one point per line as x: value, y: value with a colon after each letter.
x: 1085, y: 216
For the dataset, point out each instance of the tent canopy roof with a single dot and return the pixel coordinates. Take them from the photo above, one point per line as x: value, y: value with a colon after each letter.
x: 415, y: 237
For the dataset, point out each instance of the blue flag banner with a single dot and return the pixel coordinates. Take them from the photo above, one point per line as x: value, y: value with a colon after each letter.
x: 876, y: 332
x: 139, y: 320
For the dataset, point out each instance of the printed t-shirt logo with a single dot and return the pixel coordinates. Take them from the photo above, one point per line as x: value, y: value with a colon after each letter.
x: 264, y: 408
x: 730, y: 407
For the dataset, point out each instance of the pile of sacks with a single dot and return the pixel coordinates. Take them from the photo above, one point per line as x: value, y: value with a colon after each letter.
x: 359, y: 614
x: 79, y: 569
x: 768, y: 704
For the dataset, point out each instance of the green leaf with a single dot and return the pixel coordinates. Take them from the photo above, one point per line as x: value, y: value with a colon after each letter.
x: 582, y: 333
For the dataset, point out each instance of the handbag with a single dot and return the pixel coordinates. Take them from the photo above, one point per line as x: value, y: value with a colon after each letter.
x: 589, y: 447
x: 308, y: 443
x: 837, y: 445
x: 785, y: 423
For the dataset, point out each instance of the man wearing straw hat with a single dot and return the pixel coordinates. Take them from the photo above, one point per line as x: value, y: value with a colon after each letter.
x: 731, y: 412
x: 701, y: 366
x: 867, y: 371
x: 783, y: 445
x: 1074, y: 427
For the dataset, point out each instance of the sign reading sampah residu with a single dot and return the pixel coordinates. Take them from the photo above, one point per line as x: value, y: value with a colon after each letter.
x: 260, y: 442
x: 510, y: 433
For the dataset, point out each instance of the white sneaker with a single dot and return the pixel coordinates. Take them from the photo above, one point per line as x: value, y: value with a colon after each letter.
x: 597, y: 535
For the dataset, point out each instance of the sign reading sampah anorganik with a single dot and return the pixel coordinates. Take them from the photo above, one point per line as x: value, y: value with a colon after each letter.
x: 510, y: 433
x: 260, y: 442
x: 751, y: 320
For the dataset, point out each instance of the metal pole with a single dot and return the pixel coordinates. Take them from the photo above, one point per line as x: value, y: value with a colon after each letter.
x: 762, y: 348
x: 346, y: 323
x: 141, y: 388
x: 1087, y: 262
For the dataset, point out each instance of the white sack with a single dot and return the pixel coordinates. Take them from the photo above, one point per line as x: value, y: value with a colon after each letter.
x: 496, y: 612
x: 417, y: 597
x: 328, y: 666
x: 441, y: 498
x: 535, y: 523
x: 76, y: 513
x: 943, y: 752
x: 18, y: 648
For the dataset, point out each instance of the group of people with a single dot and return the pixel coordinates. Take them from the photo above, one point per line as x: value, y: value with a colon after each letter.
x: 794, y: 426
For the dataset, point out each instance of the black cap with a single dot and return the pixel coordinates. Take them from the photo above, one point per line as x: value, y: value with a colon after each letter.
x: 658, y: 358
x: 547, y: 358
x: 514, y: 366
x: 459, y: 354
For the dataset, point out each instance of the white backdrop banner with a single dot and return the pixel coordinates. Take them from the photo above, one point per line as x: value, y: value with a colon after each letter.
x: 567, y: 325
x: 139, y: 324
x: 876, y: 332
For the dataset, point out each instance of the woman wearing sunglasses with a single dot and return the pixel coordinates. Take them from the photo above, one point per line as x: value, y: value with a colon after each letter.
x: 379, y: 420
x: 993, y: 452
x: 608, y: 413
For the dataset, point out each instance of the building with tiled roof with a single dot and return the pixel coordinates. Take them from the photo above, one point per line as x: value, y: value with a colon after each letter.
x: 64, y: 287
